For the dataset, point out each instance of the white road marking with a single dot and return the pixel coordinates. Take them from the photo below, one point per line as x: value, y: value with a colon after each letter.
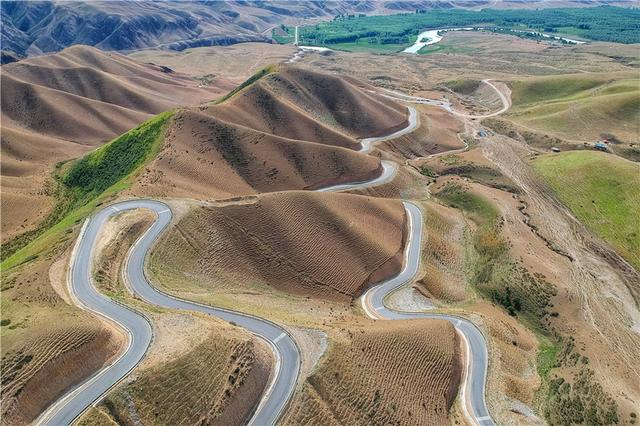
x: 280, y: 337
x: 115, y: 208
x: 164, y: 211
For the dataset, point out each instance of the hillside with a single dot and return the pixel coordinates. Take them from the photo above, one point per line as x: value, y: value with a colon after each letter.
x: 580, y: 107
x: 282, y: 129
x: 42, y: 355
x: 206, y: 158
x: 603, y: 192
x: 302, y: 104
x: 325, y: 245
x: 58, y: 107
x: 39, y: 27
x: 393, y: 372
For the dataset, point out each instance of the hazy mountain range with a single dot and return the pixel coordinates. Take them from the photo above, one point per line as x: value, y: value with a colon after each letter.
x: 32, y: 28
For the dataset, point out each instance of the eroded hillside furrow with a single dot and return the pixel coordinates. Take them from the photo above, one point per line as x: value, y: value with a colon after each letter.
x: 602, y: 290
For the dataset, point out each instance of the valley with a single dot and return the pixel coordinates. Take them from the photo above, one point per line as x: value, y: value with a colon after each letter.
x: 261, y: 234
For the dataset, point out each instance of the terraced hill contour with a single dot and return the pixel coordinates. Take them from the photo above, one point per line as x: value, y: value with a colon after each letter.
x: 325, y: 245
x: 58, y: 107
x: 289, y: 129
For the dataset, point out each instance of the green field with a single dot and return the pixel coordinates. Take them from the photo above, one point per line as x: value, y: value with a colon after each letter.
x: 580, y: 107
x: 605, y: 23
x: 602, y: 191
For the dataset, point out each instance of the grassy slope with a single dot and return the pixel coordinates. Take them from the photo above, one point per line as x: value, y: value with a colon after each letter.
x: 90, y: 181
x: 579, y: 107
x: 248, y: 82
x: 603, y: 191
x: 495, y: 274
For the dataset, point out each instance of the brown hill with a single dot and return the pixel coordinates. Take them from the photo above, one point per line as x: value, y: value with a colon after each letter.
x: 390, y: 372
x: 206, y: 158
x: 305, y: 105
x: 57, y: 107
x: 86, y: 95
x: 307, y: 243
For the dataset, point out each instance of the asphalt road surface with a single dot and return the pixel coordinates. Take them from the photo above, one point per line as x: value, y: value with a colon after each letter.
x: 367, y: 144
x: 473, y: 389
x: 279, y: 391
x: 140, y: 333
x: 388, y: 173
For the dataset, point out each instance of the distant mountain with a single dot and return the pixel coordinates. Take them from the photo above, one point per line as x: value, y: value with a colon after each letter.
x: 32, y: 27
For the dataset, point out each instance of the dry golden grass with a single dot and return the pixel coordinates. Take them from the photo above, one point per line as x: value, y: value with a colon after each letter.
x: 216, y: 64
x: 443, y: 254
x: 218, y: 382
x: 57, y: 107
x: 38, y: 371
x: 206, y: 158
x: 438, y: 132
x: 199, y: 370
x: 400, y: 372
x: 47, y: 345
x: 303, y: 243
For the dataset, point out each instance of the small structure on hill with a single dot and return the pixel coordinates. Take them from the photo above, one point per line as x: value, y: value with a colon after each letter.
x: 601, y: 146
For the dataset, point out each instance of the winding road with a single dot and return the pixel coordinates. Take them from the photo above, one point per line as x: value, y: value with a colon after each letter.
x: 287, y: 354
x: 66, y: 410
x: 399, y: 96
x: 476, y: 358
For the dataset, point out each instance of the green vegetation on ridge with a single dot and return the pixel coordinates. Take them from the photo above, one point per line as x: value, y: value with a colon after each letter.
x: 602, y: 191
x: 269, y: 69
x: 87, y: 183
x: 580, y: 107
x: 112, y: 162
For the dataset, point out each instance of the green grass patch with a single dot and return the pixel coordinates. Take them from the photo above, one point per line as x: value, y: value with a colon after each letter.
x: 497, y: 276
x: 92, y: 180
x: 579, y: 107
x: 269, y: 69
x: 104, y: 167
x: 552, y: 88
x: 547, y: 354
x: 490, y: 268
x: 602, y: 191
x: 463, y: 86
x: 480, y: 209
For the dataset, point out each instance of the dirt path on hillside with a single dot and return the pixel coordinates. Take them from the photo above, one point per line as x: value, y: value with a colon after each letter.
x: 597, y: 286
x: 599, y: 280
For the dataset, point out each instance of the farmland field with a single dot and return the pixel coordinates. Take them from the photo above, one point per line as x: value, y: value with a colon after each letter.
x: 602, y: 24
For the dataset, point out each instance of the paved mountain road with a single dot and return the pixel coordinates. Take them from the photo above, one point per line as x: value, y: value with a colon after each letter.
x: 74, y: 403
x: 476, y: 357
x: 139, y: 330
